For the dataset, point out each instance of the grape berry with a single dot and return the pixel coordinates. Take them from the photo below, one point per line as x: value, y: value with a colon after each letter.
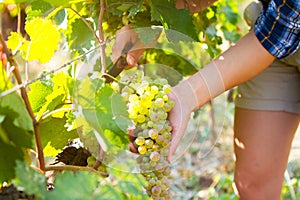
x: 148, y: 107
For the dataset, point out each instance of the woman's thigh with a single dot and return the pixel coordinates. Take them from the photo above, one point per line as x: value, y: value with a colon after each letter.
x: 262, y: 142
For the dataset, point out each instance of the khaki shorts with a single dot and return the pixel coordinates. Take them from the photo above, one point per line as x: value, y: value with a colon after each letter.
x: 275, y: 89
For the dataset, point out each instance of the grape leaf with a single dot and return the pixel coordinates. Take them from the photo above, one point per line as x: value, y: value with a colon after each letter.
x: 15, y: 41
x: 98, y: 103
x: 14, y: 138
x: 38, y: 93
x: 87, y: 136
x: 108, y: 192
x: 15, y: 125
x: 80, y: 185
x: 135, y: 9
x: 30, y: 180
x: 175, y: 19
x: 130, y: 184
x: 80, y: 36
x: 39, y: 7
x: 44, y: 38
x: 14, y: 103
x: 62, y: 88
x: 148, y: 35
x: 53, y: 131
x: 64, y: 3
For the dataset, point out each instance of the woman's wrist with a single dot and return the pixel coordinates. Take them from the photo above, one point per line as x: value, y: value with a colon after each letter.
x: 193, y: 92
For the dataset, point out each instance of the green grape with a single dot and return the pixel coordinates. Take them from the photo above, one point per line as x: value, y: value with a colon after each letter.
x: 149, y: 143
x: 159, y: 139
x: 151, y: 182
x: 159, y: 102
x: 143, y: 111
x: 167, y: 135
x: 154, y: 89
x: 153, y: 164
x: 139, y: 141
x: 91, y: 161
x: 142, y: 149
x: 144, y: 125
x: 162, y: 115
x: 133, y: 98
x: 153, y: 134
x: 155, y: 147
x: 145, y: 159
x: 146, y: 103
x: 155, y: 156
x: 156, y: 190
x: 150, y: 124
x: 140, y: 118
x: 167, y: 88
x: 164, y: 152
x: 148, y: 108
x: 154, y: 117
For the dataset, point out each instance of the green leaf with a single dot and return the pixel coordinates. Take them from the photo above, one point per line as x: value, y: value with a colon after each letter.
x: 68, y: 185
x: 103, y: 109
x: 53, y: 131
x: 39, y: 7
x: 135, y: 9
x: 87, y: 136
x: 62, y: 88
x: 108, y: 192
x: 15, y: 41
x: 64, y: 3
x: 37, y: 94
x: 13, y: 141
x: 13, y: 106
x: 80, y: 36
x: 44, y: 37
x: 174, y: 19
x: 15, y: 124
x: 130, y: 184
x: 148, y: 35
x: 74, y: 186
x: 30, y: 180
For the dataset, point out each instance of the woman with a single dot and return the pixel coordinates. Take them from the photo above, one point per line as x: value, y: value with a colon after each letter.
x: 268, y: 105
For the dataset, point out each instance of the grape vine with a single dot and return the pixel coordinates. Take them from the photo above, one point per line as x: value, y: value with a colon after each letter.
x: 47, y: 46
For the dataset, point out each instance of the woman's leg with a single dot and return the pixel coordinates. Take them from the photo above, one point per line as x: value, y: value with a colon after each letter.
x: 262, y: 142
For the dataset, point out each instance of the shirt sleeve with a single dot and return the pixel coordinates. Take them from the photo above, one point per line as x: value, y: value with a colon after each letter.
x: 278, y: 27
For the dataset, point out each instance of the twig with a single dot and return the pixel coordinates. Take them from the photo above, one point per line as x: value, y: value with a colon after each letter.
x: 100, y: 27
x: 48, y: 114
x: 17, y: 75
x: 120, y: 82
x: 118, y: 3
x: 74, y: 169
x: 17, y: 87
x: 87, y: 24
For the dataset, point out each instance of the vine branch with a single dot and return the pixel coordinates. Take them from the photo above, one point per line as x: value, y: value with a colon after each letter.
x: 17, y: 75
x: 101, y: 35
x: 74, y: 169
x: 24, y: 84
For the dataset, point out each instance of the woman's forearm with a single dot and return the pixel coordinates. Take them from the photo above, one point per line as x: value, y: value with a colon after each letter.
x: 241, y: 62
x: 194, y: 5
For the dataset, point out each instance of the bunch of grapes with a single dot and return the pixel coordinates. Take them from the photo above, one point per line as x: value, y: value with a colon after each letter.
x: 148, y: 107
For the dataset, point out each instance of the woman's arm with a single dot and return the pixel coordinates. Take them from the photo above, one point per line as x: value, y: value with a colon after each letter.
x: 239, y: 63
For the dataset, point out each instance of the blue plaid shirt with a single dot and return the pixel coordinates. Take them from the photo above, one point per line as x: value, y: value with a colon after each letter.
x: 278, y: 27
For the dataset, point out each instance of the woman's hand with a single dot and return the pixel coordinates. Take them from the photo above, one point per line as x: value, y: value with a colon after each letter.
x: 128, y: 42
x: 185, y: 101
